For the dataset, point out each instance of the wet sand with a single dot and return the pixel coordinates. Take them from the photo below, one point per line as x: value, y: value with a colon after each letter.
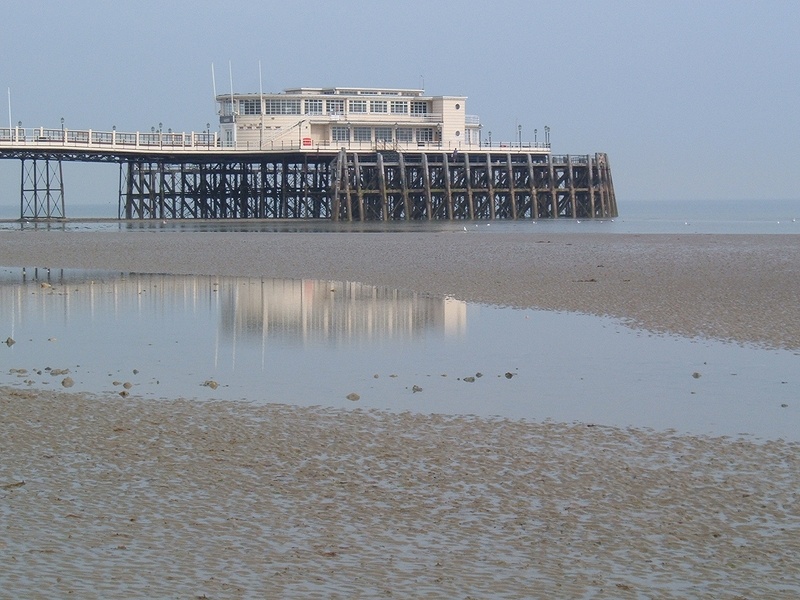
x: 110, y: 497
x: 737, y: 287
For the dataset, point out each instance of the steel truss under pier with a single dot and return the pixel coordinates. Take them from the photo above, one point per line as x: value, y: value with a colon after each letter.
x: 42, y: 188
x: 280, y: 186
x: 358, y: 186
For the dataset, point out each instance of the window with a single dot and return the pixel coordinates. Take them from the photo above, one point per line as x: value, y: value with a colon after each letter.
x: 425, y: 134
x: 362, y: 134
x: 250, y: 107
x: 334, y: 107
x: 419, y: 108
x: 383, y: 134
x: 282, y: 106
x: 313, y: 107
x: 358, y: 106
x: 340, y: 134
x: 377, y: 106
x: 399, y: 107
x: 404, y: 134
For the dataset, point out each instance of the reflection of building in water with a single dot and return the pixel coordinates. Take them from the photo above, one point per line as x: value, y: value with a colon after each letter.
x: 306, y: 310
x: 330, y: 310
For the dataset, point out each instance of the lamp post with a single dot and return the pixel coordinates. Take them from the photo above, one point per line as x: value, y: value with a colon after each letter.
x: 490, y: 139
x: 519, y: 134
x: 480, y: 141
x: 160, y: 136
x: 19, y: 126
x: 113, y: 135
x: 535, y: 134
x: 547, y: 136
x: 63, y: 139
x: 208, y: 135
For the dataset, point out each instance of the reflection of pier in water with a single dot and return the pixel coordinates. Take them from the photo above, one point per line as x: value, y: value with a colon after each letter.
x: 329, y: 310
x: 254, y: 308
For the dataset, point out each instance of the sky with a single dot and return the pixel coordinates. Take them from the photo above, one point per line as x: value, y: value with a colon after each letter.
x: 690, y: 99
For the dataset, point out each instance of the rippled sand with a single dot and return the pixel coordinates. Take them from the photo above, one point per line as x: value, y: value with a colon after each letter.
x: 108, y: 497
x: 126, y: 498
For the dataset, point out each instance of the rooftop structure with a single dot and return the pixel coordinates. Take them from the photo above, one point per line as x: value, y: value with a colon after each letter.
x: 353, y: 118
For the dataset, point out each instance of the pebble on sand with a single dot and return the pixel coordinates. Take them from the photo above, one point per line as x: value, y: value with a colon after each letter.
x: 67, y: 382
x: 10, y: 341
x: 211, y: 383
x: 353, y: 396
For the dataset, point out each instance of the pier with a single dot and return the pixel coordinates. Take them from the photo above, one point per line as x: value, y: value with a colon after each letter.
x: 199, y: 175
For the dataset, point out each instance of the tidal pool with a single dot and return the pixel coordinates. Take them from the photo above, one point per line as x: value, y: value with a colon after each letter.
x: 310, y: 342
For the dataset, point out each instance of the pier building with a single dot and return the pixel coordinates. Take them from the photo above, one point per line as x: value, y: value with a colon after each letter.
x: 356, y: 118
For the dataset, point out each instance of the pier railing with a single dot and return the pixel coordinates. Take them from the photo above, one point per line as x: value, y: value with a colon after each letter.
x: 43, y: 138
x: 89, y: 138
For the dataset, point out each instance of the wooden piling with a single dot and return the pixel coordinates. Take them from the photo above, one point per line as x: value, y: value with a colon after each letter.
x: 372, y: 186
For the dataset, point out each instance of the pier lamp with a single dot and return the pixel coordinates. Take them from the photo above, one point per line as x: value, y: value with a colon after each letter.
x: 535, y: 134
x: 480, y: 140
x: 63, y: 139
x: 519, y: 133
x: 547, y: 135
x: 490, y: 139
x: 208, y: 135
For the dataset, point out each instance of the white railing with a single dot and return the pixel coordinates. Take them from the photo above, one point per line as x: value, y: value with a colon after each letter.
x: 83, y: 139
x: 42, y: 138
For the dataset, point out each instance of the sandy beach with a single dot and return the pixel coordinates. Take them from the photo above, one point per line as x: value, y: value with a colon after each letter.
x: 107, y: 497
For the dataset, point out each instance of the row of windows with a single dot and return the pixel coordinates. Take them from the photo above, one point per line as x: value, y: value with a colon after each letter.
x: 290, y: 106
x: 382, y: 134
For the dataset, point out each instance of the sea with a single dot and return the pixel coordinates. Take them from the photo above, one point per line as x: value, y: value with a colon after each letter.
x: 345, y: 345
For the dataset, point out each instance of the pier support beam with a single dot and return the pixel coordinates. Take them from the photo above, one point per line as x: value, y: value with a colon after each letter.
x: 365, y: 186
x: 41, y: 189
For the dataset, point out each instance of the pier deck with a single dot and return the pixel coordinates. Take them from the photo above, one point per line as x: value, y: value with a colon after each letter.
x: 165, y: 175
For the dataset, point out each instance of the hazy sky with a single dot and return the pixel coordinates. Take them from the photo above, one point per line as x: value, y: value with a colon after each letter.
x: 689, y: 99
